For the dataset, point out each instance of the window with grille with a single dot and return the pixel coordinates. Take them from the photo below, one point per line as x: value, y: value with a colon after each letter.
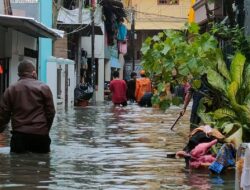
x: 168, y: 2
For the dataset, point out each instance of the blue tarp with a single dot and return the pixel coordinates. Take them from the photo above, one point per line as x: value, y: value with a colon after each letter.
x: 114, y: 62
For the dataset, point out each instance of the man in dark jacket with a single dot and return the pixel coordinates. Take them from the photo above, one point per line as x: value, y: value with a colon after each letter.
x: 28, y: 103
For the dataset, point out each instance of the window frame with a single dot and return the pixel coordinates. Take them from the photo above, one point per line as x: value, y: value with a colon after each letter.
x: 167, y: 2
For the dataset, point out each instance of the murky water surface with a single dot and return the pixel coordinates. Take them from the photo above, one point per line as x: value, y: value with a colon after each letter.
x: 102, y: 147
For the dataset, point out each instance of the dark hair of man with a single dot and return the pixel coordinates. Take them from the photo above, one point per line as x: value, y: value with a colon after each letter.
x: 133, y: 74
x: 121, y: 19
x: 116, y: 74
x: 25, y: 67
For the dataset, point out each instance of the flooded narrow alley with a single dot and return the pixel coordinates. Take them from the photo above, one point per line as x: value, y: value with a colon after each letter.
x: 102, y: 147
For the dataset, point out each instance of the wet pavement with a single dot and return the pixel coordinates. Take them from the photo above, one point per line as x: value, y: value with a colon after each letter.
x: 109, y: 148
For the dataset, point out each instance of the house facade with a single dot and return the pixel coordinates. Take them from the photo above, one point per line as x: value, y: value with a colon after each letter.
x: 19, y: 41
x: 27, y: 34
x: 93, y: 65
x: 151, y: 17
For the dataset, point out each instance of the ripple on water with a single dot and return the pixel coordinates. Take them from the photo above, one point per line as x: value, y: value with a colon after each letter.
x: 111, y: 148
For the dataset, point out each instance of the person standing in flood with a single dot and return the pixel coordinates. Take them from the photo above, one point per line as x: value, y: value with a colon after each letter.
x: 143, y: 91
x: 28, y: 103
x: 118, y: 89
x: 131, y: 87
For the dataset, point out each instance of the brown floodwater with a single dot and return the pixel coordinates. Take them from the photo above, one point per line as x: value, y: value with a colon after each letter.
x: 109, y: 148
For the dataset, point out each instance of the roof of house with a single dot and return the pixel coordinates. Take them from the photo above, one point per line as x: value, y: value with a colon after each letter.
x: 29, y: 26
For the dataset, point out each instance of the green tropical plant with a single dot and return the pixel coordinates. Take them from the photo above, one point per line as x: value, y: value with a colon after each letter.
x: 187, y: 53
x: 171, y: 51
x: 232, y: 86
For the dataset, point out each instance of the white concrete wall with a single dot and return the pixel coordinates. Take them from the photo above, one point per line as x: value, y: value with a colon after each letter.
x: 200, y: 11
x: 16, y: 44
x: 107, y: 68
x: 100, y: 89
x: 52, y: 78
x: 1, y: 7
x: 99, y: 46
x: 72, y: 84
x: 61, y: 100
x: 99, y: 53
x: 122, y: 62
x: 52, y: 65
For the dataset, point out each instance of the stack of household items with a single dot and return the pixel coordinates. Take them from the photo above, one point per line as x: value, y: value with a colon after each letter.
x: 207, y: 148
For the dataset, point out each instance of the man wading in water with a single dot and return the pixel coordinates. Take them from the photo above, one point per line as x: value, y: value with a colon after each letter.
x: 28, y: 103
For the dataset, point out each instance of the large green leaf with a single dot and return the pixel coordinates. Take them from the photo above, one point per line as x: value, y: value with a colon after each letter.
x: 193, y: 66
x: 237, y: 67
x: 241, y: 110
x: 247, y: 101
x: 247, y: 78
x: 166, y: 49
x: 224, y: 112
x: 216, y: 80
x: 235, y: 138
x: 193, y: 28
x: 145, y: 48
x: 205, y: 117
x: 183, y: 70
x: 229, y: 128
x: 156, y: 38
x: 161, y: 87
x: 232, y: 91
x: 222, y: 68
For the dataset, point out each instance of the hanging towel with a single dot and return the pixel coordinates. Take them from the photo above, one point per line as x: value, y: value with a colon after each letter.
x: 122, y: 32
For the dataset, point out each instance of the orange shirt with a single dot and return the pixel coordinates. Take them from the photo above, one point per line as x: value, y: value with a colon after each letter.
x: 143, y: 85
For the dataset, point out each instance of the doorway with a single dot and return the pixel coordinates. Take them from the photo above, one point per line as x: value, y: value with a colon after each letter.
x: 4, y: 74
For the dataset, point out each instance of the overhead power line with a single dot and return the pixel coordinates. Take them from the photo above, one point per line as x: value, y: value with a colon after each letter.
x: 159, y: 15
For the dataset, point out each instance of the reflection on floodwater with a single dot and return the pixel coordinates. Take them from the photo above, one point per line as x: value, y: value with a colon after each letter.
x: 106, y: 147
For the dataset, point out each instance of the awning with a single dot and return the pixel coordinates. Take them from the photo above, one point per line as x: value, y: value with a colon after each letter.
x: 114, y: 62
x: 82, y: 29
x: 28, y: 26
x: 68, y: 20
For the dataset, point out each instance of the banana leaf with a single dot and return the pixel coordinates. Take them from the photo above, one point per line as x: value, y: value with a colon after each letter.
x: 216, y: 80
x: 237, y: 67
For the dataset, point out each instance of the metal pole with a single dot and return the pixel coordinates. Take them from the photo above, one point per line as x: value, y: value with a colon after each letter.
x: 79, y: 44
x: 93, y: 65
x: 93, y: 46
x: 133, y: 38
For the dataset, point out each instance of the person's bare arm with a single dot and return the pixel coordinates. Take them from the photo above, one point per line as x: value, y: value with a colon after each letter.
x: 186, y: 102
